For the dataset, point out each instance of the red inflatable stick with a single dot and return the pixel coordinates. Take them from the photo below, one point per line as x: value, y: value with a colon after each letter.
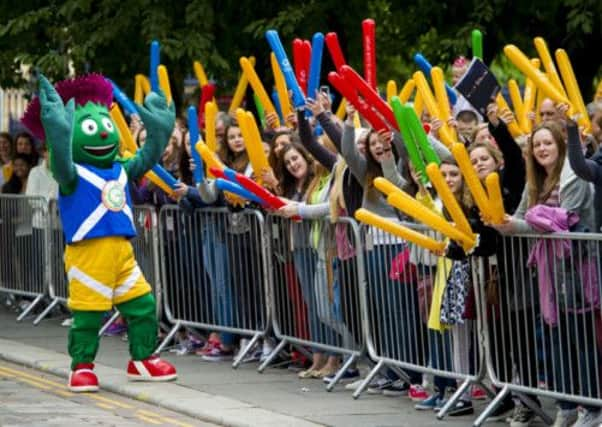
x: 369, y: 44
x: 334, y: 47
x: 369, y: 95
x: 305, y: 61
x: 207, y: 94
x: 350, y: 93
x: 298, y: 56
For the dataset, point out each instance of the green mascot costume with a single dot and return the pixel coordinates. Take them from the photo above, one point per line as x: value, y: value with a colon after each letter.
x: 96, y: 213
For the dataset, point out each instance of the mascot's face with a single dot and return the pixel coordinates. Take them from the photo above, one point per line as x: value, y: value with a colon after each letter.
x: 95, y: 136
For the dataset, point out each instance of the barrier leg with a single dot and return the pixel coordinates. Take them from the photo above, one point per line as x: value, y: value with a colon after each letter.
x: 365, y: 383
x: 108, y: 323
x: 273, y: 354
x: 168, y: 338
x: 530, y: 403
x: 243, y: 352
x: 453, y: 399
x: 30, y: 307
x: 340, y: 372
x: 47, y: 310
x: 492, y: 406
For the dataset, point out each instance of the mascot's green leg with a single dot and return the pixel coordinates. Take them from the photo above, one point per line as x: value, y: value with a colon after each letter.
x: 83, y: 336
x: 141, y: 319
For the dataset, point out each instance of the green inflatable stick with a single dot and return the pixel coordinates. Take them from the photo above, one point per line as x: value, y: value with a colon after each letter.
x: 260, y: 111
x: 477, y: 44
x: 428, y: 152
x: 408, y: 138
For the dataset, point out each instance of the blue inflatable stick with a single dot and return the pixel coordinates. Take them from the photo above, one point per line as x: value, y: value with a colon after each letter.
x: 285, y: 66
x: 193, y: 131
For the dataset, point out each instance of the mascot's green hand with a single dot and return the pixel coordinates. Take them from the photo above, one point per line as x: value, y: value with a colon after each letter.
x: 57, y: 120
x: 159, y: 120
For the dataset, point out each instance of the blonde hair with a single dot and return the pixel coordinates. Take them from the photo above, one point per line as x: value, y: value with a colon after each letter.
x: 539, y: 184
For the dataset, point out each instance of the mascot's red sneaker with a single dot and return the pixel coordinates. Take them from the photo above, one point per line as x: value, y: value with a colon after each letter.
x: 151, y: 369
x: 82, y: 378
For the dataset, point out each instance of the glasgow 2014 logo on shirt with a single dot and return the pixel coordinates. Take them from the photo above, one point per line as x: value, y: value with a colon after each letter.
x: 113, y: 196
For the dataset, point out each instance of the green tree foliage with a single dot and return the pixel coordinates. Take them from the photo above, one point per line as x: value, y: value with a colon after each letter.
x: 112, y: 36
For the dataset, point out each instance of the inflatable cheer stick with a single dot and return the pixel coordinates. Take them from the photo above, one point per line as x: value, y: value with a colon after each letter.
x: 441, y: 97
x: 472, y: 180
x: 241, y: 88
x: 209, y: 157
x: 152, y: 177
x: 193, y: 132
x: 369, y: 95
x: 521, y: 62
x: 369, y: 45
x: 234, y: 188
x: 304, y: 63
x: 350, y: 93
x: 285, y: 66
x: 253, y: 144
x: 334, y: 47
x: 154, y: 64
x: 405, y: 233
x: 413, y: 208
x: 408, y: 138
x: 418, y: 131
x: 164, y: 83
x: 572, y: 88
x: 207, y: 94
x: 406, y: 91
x: 517, y: 104
x: 142, y: 88
x: 210, y: 118
x: 200, y: 74
x: 391, y: 90
x: 315, y: 66
x: 548, y: 64
x: 477, y: 44
x: 126, y: 140
x: 341, y: 109
x: 123, y: 100
x: 449, y: 200
x: 495, y: 198
x: 445, y: 133
x: 513, y: 126
x: 257, y: 86
x: 280, y: 87
x: 276, y: 102
x: 260, y: 110
x: 425, y: 66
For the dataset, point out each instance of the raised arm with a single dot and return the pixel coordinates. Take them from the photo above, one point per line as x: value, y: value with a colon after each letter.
x: 321, y: 153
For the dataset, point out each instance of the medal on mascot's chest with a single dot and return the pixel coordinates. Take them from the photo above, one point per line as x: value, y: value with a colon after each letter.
x: 113, y: 196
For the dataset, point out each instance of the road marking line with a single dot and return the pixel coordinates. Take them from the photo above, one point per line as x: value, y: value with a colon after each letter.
x: 176, y: 422
x: 149, y: 420
x: 64, y: 393
x: 148, y: 413
x: 35, y: 384
x: 104, y: 406
x: 110, y: 401
x: 33, y: 377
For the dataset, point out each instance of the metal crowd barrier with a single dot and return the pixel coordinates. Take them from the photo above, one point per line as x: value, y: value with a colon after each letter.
x: 401, y: 280
x: 316, y: 270
x: 23, y: 239
x: 214, y: 273
x: 543, y: 334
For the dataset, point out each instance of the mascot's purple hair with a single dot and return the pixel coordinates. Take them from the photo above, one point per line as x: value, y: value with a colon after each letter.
x: 89, y: 88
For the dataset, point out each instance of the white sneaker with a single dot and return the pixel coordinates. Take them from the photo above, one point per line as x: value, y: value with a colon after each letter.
x: 67, y: 322
x: 354, y: 385
x: 589, y: 418
x: 565, y: 417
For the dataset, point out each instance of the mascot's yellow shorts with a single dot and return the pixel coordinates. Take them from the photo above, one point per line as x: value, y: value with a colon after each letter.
x: 103, y: 272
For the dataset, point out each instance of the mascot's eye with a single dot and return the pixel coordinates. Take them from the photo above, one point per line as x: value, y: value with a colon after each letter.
x: 108, y: 124
x: 89, y: 127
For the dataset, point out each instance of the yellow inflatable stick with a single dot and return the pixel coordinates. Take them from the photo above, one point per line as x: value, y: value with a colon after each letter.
x: 572, y: 88
x: 548, y: 63
x: 405, y: 233
x: 495, y: 198
x: 209, y: 157
x: 285, y: 104
x: 241, y: 88
x: 418, y: 105
x: 406, y: 91
x: 417, y: 210
x: 521, y: 62
x: 445, y: 134
x: 357, y: 123
x: 517, y: 103
x: 200, y: 74
x: 342, y: 109
x: 254, y: 147
x: 210, y: 118
x: 513, y: 126
x: 449, y: 200
x: 385, y: 186
x: 164, y: 82
x: 126, y: 140
x: 142, y: 88
x: 391, y: 90
x: 257, y: 86
x: 153, y: 177
x: 441, y: 97
x: 529, y: 103
x: 472, y: 180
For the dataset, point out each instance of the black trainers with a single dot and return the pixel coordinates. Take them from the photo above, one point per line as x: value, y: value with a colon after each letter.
x: 522, y: 417
x: 503, y: 410
x: 462, y: 407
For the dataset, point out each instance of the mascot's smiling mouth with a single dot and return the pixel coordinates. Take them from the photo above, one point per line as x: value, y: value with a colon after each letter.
x: 101, y: 150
